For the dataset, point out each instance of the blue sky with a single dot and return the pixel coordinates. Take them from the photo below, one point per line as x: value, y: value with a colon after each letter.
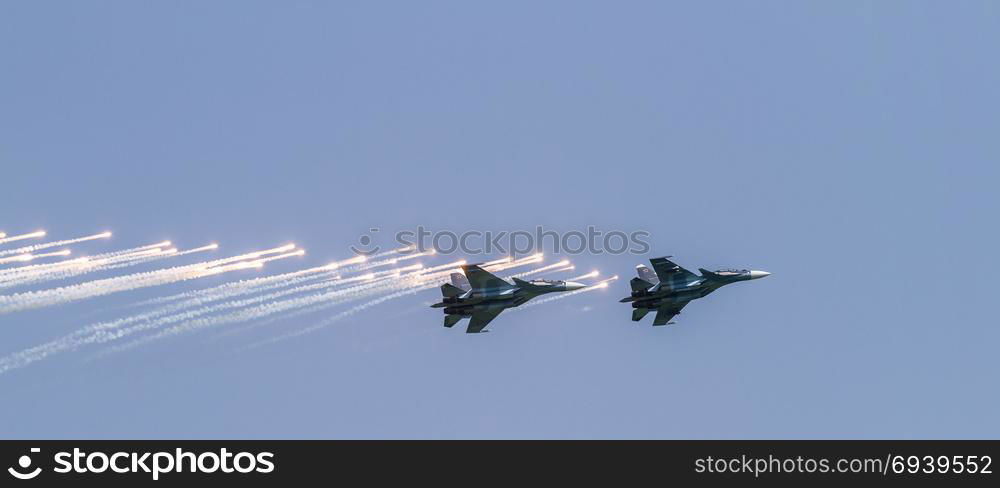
x: 850, y: 148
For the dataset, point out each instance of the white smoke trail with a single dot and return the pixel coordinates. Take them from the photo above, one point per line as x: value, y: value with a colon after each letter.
x: 176, y: 313
x: 253, y: 285
x: 367, y: 266
x: 22, y: 258
x: 171, y: 313
x: 72, y: 268
x: 33, y: 235
x: 66, y: 269
x: 248, y: 311
x: 129, y: 260
x: 245, y: 311
x: 226, y: 291
x: 450, y: 266
x: 253, y: 308
x: 96, y: 288
x: 307, y: 304
x: 83, y: 261
x: 63, y: 252
x: 430, y: 281
x: 38, y: 247
x: 260, y: 262
x: 6, y: 274
x: 258, y: 285
x: 561, y: 264
x: 513, y: 264
x: 394, y: 252
x: 600, y: 285
x: 347, y: 313
x: 557, y: 270
x: 388, y: 262
x: 133, y: 250
x: 592, y: 274
x: 24, y: 270
x: 370, y: 277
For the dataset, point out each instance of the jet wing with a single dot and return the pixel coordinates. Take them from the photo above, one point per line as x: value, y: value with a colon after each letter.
x: 666, y: 269
x: 481, y: 319
x: 480, y: 279
x: 667, y: 312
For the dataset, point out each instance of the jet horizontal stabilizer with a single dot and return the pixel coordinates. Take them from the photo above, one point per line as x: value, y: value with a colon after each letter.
x: 450, y: 291
x: 450, y: 320
x: 639, y: 284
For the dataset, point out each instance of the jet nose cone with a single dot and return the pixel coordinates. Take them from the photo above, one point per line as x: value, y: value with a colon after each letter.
x: 572, y: 285
x: 758, y: 274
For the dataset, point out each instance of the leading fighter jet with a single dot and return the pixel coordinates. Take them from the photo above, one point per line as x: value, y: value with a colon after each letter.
x: 481, y: 295
x: 667, y: 288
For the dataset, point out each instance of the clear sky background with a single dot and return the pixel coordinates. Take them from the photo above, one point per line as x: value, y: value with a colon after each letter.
x: 850, y: 148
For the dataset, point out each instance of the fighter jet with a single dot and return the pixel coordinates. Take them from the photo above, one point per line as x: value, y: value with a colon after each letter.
x: 667, y: 288
x: 481, y: 295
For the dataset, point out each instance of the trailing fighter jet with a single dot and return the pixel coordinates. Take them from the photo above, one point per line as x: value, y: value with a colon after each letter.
x: 481, y: 295
x: 667, y: 288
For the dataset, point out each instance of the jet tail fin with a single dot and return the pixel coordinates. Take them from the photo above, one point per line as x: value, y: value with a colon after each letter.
x: 646, y: 274
x: 450, y: 291
x: 459, y: 280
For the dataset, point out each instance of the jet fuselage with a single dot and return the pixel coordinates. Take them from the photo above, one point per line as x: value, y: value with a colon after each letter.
x: 680, y: 290
x: 498, y: 298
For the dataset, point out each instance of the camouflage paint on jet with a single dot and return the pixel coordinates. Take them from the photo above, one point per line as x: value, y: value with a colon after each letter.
x: 481, y: 296
x: 667, y: 288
